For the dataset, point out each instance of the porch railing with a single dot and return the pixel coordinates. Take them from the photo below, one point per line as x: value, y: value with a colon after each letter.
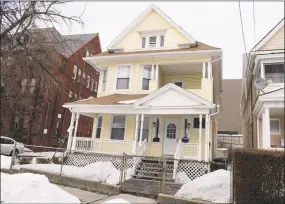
x: 177, y: 156
x: 103, y: 146
x: 140, y: 152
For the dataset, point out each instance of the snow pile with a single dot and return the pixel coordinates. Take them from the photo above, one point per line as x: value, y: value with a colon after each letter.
x: 98, y: 171
x: 181, y: 177
x: 5, y: 162
x: 214, y: 186
x: 32, y: 188
x: 27, y: 150
x: 117, y: 200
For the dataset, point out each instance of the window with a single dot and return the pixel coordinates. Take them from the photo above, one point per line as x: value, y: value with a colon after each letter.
x: 32, y: 86
x: 76, y: 96
x: 95, y: 86
x: 70, y: 94
x: 99, y: 126
x: 275, y: 72
x: 274, y: 126
x: 91, y: 84
x: 146, y: 77
x: 157, y: 128
x: 152, y: 41
x: 118, y: 127
x: 74, y: 72
x: 84, y: 79
x: 23, y: 85
x: 26, y: 121
x: 143, y: 42
x: 171, y: 131
x: 123, y: 78
x: 154, y: 72
x: 16, y: 122
x: 145, y: 130
x: 162, y: 41
x: 88, y: 81
x: 79, y: 75
x: 87, y: 53
x: 178, y: 83
x: 104, y: 80
x: 196, y: 123
x: 186, y: 127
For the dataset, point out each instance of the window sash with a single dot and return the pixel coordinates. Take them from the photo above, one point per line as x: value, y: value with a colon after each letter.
x: 274, y: 126
x: 99, y: 127
x: 123, y: 83
x: 196, y: 123
x: 145, y: 84
x: 74, y: 71
x: 91, y: 84
x: 152, y: 41
x: 88, y: 81
x: 104, y: 83
x: 118, y: 127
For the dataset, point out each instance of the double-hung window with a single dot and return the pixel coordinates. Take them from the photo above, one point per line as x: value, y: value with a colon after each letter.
x: 146, y: 77
x: 145, y: 130
x: 274, y: 126
x: 118, y: 127
x: 91, y: 84
x: 123, y: 78
x: 99, y: 126
x: 104, y: 82
x: 275, y: 72
x: 32, y: 85
x: 196, y: 123
x: 152, y: 41
x: 95, y: 86
x: 74, y: 72
x: 88, y: 81
x: 79, y: 75
x: 83, y: 79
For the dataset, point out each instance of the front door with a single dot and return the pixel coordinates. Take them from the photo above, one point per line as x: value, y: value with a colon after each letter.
x: 170, y: 137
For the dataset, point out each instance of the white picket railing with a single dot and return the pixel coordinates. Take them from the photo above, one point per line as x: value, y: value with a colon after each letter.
x: 140, y: 152
x: 177, y: 156
x: 190, y: 151
x: 103, y: 146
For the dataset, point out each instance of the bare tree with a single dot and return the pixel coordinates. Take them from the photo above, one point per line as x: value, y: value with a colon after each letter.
x: 31, y: 58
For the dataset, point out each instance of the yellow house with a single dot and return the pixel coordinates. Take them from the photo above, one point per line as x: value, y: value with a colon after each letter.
x: 158, y: 93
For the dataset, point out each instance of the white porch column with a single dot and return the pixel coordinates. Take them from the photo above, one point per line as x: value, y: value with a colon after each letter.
x: 141, y: 130
x: 257, y: 132
x: 266, y: 128
x: 70, y: 130
x: 209, y: 70
x: 262, y: 71
x: 200, y: 138
x: 136, y: 134
x: 204, y: 70
x: 94, y: 128
x: 206, y: 154
x: 75, y: 132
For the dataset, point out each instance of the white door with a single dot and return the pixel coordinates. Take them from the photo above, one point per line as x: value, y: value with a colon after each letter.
x: 170, y: 136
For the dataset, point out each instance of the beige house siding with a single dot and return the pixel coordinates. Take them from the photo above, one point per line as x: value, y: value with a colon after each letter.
x: 276, y: 42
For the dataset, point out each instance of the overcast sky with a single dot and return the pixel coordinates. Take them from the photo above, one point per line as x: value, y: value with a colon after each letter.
x: 217, y: 24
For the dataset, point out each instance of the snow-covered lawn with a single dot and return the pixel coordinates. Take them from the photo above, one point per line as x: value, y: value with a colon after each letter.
x: 5, y: 162
x: 214, y: 186
x: 99, y: 171
x: 32, y: 188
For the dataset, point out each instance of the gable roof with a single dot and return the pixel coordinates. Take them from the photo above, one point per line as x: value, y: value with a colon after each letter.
x: 269, y: 35
x: 139, y: 19
x: 170, y: 86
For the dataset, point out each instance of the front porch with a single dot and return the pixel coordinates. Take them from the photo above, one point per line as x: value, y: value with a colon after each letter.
x: 170, y: 121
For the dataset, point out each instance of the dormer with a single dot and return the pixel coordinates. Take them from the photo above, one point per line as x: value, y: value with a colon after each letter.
x: 152, y: 30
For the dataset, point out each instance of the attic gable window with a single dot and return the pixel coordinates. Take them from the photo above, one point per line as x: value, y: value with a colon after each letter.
x: 152, y: 38
x: 152, y: 41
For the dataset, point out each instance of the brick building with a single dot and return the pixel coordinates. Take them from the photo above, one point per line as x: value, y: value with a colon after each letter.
x: 78, y: 80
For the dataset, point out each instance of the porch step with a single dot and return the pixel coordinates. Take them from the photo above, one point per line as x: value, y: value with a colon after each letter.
x: 153, y: 178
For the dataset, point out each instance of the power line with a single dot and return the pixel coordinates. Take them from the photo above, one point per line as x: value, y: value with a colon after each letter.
x: 242, y: 31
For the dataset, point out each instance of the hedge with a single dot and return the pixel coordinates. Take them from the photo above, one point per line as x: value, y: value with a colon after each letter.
x: 258, y: 176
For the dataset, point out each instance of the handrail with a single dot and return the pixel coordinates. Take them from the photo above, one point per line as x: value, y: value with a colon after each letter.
x: 177, y: 156
x: 140, y: 152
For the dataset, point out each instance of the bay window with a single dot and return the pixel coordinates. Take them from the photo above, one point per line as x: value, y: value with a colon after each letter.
x: 123, y: 77
x: 118, y: 127
x: 146, y: 77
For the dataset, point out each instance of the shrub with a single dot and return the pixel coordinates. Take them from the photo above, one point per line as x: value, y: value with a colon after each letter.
x: 258, y: 176
x: 25, y: 160
x: 58, y: 160
x: 43, y: 160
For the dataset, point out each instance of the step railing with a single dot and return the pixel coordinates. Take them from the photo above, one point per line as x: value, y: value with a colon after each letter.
x: 139, y: 154
x: 177, y: 156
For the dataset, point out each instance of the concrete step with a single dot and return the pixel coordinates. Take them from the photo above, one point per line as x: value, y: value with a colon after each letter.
x: 169, y: 179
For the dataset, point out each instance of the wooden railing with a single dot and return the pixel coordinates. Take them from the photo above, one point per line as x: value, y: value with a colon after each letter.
x: 103, y: 146
x: 177, y: 156
x: 139, y: 154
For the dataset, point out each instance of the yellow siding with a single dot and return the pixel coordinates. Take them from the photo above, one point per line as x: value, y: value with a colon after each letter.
x: 152, y: 22
x: 191, y: 81
x: 276, y: 42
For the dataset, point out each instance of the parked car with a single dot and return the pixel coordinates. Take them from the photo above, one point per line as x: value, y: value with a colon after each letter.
x: 7, y: 146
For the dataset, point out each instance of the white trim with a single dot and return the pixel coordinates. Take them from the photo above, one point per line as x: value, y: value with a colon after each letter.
x: 257, y: 131
x: 172, y: 86
x: 141, y: 17
x: 279, y: 131
x: 276, y: 29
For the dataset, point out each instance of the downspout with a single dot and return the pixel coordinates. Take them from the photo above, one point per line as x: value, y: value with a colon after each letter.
x: 218, y: 110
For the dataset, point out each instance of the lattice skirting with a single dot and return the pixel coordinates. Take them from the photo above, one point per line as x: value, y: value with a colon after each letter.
x: 192, y: 169
x: 81, y: 160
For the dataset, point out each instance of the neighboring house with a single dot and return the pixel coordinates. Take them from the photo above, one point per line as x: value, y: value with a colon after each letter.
x: 159, y: 93
x: 263, y: 111
x: 78, y: 81
x: 229, y: 134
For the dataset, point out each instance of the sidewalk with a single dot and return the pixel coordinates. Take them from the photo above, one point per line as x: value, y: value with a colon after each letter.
x: 92, y: 198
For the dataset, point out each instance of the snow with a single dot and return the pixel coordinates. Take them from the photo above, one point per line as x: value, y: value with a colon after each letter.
x: 27, y: 150
x: 214, y: 186
x: 5, y: 162
x: 41, y: 154
x: 117, y: 200
x: 181, y: 177
x: 98, y: 171
x: 32, y: 188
